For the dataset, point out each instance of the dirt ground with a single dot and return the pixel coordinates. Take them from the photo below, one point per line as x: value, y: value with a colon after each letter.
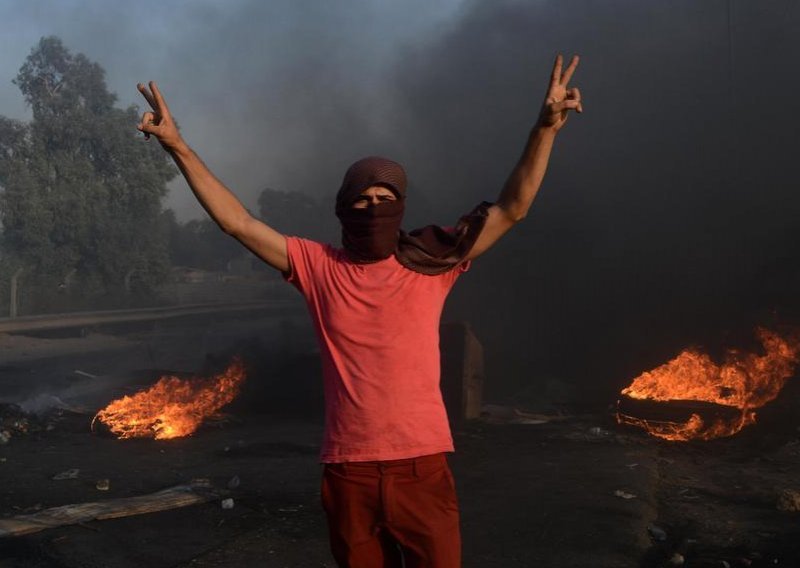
x: 577, y: 492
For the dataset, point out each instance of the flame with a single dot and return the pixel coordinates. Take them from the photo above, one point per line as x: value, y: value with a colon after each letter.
x: 745, y: 381
x: 172, y: 407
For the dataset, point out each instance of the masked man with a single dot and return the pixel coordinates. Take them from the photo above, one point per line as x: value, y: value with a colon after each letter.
x: 375, y: 304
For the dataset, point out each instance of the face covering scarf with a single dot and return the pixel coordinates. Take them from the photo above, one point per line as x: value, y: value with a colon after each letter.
x: 373, y: 233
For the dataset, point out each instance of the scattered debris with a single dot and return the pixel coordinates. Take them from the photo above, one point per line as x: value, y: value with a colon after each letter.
x: 84, y: 374
x: 599, y: 432
x: 172, y: 498
x: 36, y: 414
x: 657, y: 533
x: 234, y: 482
x: 291, y: 509
x: 227, y: 503
x: 789, y: 500
x: 103, y: 485
x: 13, y: 419
x: 677, y: 559
x: 499, y: 414
x: 624, y: 494
x: 67, y: 474
x: 593, y: 434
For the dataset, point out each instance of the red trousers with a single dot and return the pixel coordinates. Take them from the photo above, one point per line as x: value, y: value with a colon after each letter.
x: 393, y: 514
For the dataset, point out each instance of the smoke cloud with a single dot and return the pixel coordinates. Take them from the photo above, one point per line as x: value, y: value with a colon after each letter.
x: 669, y: 213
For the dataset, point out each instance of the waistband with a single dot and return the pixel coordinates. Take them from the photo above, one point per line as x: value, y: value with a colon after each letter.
x: 417, y: 466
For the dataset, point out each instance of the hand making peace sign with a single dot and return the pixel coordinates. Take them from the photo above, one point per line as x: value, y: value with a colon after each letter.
x: 560, y: 98
x: 158, y: 122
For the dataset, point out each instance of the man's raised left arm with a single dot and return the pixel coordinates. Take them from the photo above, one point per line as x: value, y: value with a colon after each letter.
x: 523, y: 184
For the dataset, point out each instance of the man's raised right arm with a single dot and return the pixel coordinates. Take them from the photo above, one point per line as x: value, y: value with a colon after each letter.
x: 220, y: 203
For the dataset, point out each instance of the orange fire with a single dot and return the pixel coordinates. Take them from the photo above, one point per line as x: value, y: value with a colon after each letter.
x: 172, y: 407
x: 745, y: 381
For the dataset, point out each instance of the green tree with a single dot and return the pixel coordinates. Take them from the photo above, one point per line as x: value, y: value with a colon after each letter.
x: 80, y: 194
x: 200, y: 243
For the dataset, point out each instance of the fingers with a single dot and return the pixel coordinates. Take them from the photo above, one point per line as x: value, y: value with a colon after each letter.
x: 147, y: 124
x: 162, y: 105
x: 555, y: 76
x: 148, y: 120
x: 156, y: 122
x: 573, y: 64
x: 574, y: 94
x: 566, y: 104
x: 560, y: 97
x: 154, y: 98
x: 147, y: 95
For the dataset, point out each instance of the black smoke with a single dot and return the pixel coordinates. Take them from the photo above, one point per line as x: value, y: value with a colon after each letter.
x: 669, y: 213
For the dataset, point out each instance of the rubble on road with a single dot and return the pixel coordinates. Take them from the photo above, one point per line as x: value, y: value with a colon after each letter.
x: 172, y: 498
x: 789, y: 500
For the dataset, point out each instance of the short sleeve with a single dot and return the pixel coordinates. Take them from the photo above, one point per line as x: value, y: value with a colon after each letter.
x: 449, y: 278
x: 304, y: 256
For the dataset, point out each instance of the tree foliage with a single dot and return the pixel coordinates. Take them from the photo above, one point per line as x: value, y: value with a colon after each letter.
x: 200, y: 243
x: 79, y: 192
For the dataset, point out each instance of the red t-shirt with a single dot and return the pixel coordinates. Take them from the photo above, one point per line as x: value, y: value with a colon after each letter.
x: 378, y: 329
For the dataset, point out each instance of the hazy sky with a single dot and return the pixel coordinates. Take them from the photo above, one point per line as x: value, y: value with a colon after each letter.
x: 255, y: 85
x: 670, y: 212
